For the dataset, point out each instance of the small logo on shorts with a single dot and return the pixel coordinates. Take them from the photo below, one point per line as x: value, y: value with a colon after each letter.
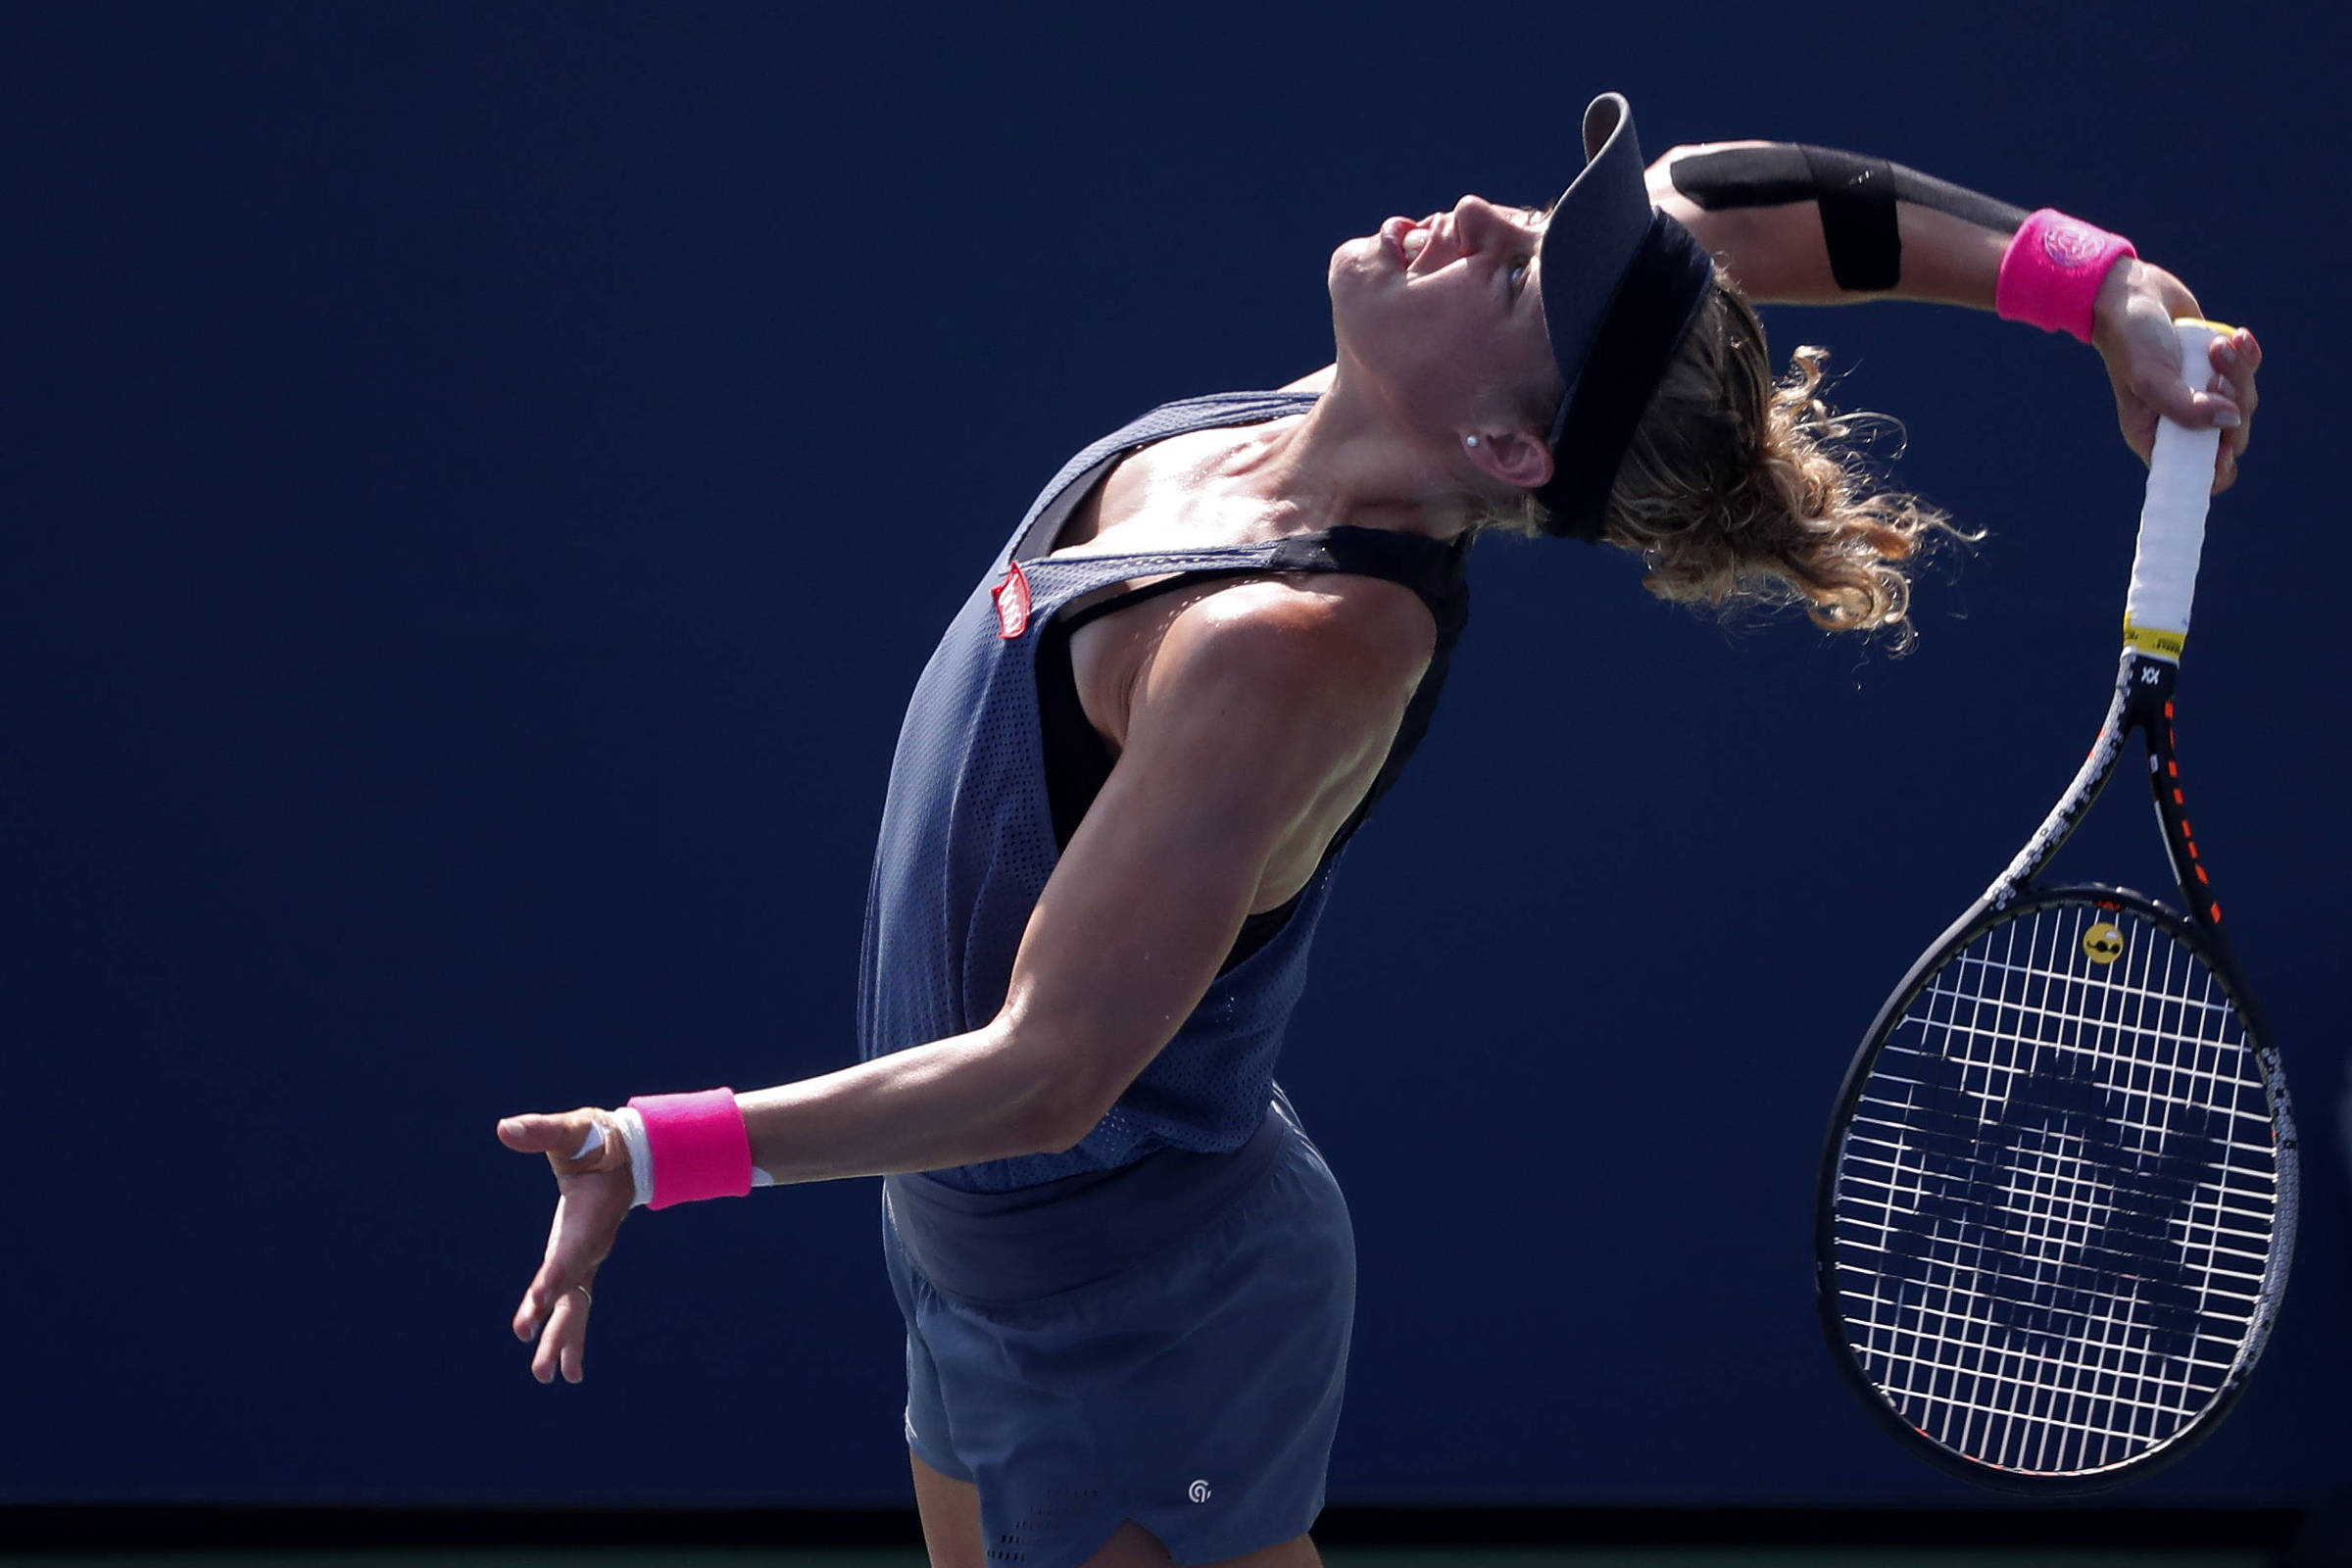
x: 1198, y: 1491
x: 1012, y: 602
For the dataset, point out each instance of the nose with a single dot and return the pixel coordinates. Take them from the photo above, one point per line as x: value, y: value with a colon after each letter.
x: 1478, y: 221
x: 1472, y: 225
x: 1479, y: 227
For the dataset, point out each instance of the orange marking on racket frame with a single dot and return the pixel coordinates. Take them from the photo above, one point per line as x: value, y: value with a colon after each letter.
x: 2168, y: 710
x: 2202, y: 877
x: 2172, y: 770
x: 2177, y: 801
x: 2217, y: 914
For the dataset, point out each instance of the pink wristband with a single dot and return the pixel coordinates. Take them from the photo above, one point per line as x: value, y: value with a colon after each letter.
x: 698, y: 1145
x: 2051, y: 272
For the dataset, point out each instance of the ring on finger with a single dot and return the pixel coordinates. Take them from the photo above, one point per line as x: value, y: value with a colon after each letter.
x: 586, y: 1294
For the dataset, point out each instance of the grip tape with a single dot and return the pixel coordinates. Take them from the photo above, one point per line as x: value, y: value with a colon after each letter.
x: 2172, y: 521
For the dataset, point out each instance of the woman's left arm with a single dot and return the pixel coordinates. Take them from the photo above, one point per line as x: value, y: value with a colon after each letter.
x: 1808, y: 225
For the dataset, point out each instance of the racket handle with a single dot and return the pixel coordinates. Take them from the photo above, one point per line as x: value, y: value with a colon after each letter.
x: 2172, y: 522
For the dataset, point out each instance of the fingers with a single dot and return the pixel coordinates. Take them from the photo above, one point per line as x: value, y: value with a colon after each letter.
x: 2224, y: 455
x: 2236, y: 359
x: 567, y: 1139
x: 2143, y: 363
x: 2182, y: 404
x: 594, y: 1195
x: 554, y: 1310
x: 545, y: 1135
x: 564, y: 1347
x: 564, y: 1310
x: 549, y: 1283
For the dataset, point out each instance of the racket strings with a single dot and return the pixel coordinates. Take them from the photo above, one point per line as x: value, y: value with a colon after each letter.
x: 2055, y: 1202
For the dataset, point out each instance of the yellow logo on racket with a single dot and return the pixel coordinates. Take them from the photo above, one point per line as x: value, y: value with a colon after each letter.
x: 2104, y: 943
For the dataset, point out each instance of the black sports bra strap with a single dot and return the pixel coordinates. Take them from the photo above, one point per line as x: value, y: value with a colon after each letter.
x: 1069, y: 621
x: 1430, y: 568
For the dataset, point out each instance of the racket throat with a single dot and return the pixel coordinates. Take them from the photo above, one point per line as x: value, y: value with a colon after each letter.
x: 2189, y: 871
x: 2124, y: 709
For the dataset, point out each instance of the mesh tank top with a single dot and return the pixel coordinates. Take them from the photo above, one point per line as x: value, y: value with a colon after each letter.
x: 968, y: 838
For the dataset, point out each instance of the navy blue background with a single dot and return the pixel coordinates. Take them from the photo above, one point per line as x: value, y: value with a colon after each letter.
x: 481, y: 482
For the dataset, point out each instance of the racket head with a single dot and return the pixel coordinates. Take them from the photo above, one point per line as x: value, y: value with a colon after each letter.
x: 2057, y: 1204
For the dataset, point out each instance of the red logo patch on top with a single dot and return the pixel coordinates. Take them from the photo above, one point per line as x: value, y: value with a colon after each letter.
x: 1012, y: 602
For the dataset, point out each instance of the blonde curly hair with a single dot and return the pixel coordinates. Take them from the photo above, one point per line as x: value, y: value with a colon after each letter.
x: 1736, y: 491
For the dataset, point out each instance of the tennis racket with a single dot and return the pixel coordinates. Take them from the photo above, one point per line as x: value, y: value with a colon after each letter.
x: 2058, y: 1198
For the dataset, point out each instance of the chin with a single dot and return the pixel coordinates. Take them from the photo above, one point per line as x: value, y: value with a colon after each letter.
x: 1346, y: 270
x: 1354, y: 280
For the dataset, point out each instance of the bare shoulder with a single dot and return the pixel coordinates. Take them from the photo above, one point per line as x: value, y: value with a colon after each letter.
x: 1321, y: 636
x: 1281, y: 675
x: 1256, y: 655
x: 1267, y: 707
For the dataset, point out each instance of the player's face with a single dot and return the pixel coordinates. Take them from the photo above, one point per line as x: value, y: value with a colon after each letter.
x: 1445, y: 313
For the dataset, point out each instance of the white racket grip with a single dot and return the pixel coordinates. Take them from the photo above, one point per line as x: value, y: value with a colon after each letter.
x: 2172, y: 522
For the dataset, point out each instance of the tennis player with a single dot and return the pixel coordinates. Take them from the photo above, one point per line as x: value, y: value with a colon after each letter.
x: 1128, y: 771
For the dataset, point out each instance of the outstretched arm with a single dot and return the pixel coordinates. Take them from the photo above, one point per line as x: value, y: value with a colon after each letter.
x: 1810, y: 225
x: 1249, y: 734
x: 1254, y: 727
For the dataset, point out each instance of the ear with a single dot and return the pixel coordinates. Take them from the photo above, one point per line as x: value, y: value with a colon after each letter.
x: 1516, y: 457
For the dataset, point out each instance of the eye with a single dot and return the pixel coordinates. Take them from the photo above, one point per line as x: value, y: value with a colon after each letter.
x: 1518, y: 276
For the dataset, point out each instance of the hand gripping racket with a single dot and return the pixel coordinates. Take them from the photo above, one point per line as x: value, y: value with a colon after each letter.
x: 2059, y: 1194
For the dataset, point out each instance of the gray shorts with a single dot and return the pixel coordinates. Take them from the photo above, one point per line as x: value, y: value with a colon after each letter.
x: 1165, y: 1343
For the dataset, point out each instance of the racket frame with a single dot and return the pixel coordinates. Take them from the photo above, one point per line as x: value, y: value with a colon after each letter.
x: 2143, y: 701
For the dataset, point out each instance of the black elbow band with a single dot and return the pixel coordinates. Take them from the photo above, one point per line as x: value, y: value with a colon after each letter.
x: 1856, y: 197
x: 1858, y: 219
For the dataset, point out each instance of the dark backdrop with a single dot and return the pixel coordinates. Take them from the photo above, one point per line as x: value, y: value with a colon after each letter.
x: 480, y: 482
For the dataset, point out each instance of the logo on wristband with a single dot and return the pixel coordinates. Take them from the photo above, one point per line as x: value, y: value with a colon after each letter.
x: 2072, y: 245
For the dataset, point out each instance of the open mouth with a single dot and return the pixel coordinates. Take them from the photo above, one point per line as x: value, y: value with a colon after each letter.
x: 1405, y: 238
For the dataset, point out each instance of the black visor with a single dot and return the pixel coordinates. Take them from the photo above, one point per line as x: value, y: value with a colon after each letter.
x: 1621, y: 283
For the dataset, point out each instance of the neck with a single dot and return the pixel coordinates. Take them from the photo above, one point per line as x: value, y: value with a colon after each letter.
x: 1353, y: 461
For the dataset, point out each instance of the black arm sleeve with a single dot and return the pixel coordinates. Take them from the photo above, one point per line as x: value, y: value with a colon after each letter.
x: 1856, y: 197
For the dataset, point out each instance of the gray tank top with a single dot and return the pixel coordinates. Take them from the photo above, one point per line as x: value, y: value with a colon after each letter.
x: 967, y: 835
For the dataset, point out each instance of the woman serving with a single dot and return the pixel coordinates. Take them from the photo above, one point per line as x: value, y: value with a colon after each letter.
x: 1127, y: 774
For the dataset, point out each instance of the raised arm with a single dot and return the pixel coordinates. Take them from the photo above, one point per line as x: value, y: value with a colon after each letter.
x: 1813, y: 225
x: 1769, y: 209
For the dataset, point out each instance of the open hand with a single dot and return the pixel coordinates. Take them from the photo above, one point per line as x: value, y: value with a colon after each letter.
x: 592, y: 1199
x: 2133, y: 333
